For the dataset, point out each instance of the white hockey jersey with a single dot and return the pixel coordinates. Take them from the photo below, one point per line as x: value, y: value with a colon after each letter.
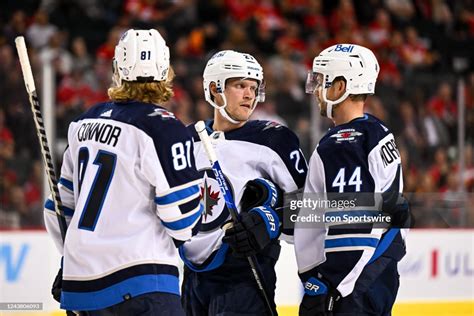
x: 130, y: 189
x: 359, y: 156
x: 259, y: 149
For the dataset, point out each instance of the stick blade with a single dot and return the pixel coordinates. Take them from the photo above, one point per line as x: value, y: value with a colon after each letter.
x: 25, y: 64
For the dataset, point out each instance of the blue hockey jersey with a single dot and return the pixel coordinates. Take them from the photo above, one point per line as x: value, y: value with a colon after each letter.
x: 359, y: 156
x: 259, y: 149
x: 130, y: 191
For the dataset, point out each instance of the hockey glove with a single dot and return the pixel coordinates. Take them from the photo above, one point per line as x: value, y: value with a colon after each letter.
x: 401, y: 215
x: 396, y: 205
x: 319, y: 298
x: 253, y: 232
x: 261, y: 192
x: 57, y: 286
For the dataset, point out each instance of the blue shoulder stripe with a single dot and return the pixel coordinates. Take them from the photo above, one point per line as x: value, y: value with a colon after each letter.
x: 184, y: 222
x: 50, y: 206
x: 351, y: 242
x: 68, y: 184
x: 177, y: 195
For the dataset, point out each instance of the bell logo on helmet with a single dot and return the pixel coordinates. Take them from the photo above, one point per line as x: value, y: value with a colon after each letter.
x: 344, y: 49
x: 219, y: 54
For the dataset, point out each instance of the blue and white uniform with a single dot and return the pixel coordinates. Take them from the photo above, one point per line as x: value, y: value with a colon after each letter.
x: 259, y: 149
x: 131, y: 192
x: 216, y: 282
x: 359, y: 156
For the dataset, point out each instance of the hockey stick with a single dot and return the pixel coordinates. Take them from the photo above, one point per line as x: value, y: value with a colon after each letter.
x: 40, y: 131
x: 225, y: 190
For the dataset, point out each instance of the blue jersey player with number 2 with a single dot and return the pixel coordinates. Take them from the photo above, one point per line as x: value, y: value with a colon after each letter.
x: 130, y: 191
x: 347, y: 269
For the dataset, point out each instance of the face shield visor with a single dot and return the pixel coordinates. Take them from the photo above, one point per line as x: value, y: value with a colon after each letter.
x: 313, y: 82
x: 260, y: 93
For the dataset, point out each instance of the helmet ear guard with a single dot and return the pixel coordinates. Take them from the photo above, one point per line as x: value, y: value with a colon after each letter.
x: 141, y: 56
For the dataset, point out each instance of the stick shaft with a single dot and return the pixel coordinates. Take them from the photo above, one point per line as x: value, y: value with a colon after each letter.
x: 41, y: 132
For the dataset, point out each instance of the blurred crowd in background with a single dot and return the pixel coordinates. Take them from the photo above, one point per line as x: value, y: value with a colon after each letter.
x: 424, y: 47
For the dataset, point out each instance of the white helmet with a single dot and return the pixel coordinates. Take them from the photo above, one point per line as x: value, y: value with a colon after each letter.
x: 141, y: 55
x: 228, y: 64
x: 357, y: 64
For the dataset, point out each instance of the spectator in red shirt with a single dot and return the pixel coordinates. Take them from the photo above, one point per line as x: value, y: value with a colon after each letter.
x: 389, y: 73
x: 106, y: 51
x: 241, y: 10
x: 442, y: 104
x: 415, y: 52
x: 380, y: 29
x: 344, y: 14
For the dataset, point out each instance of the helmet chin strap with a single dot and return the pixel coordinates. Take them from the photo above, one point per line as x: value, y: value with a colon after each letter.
x: 330, y: 104
x: 115, y: 75
x: 226, y: 115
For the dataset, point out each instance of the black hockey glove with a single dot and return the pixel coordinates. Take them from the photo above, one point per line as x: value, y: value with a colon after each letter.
x: 57, y: 286
x: 399, y: 210
x: 401, y: 215
x: 319, y: 298
x: 253, y: 232
x: 261, y: 192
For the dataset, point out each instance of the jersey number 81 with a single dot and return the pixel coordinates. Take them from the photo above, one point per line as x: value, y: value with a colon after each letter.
x: 181, y: 156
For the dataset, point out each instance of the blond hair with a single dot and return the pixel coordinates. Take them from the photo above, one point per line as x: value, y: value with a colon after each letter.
x: 148, y: 92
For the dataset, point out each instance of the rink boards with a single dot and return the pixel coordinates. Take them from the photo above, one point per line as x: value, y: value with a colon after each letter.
x: 436, y: 274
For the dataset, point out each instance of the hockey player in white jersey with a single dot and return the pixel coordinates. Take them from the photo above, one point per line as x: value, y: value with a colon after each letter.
x: 261, y: 160
x: 130, y: 191
x: 347, y: 269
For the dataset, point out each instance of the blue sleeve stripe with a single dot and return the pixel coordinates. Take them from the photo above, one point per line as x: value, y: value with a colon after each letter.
x: 218, y: 258
x: 68, y: 184
x: 115, y: 294
x: 177, y: 195
x: 184, y: 222
x: 50, y: 206
x: 384, y: 243
x: 351, y: 242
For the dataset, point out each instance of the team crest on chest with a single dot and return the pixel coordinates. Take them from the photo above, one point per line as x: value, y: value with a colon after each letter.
x: 210, y: 198
x: 215, y: 211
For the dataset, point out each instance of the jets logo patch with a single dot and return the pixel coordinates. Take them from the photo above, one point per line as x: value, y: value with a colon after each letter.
x: 346, y: 135
x: 210, y: 198
x: 271, y: 124
x: 215, y: 210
